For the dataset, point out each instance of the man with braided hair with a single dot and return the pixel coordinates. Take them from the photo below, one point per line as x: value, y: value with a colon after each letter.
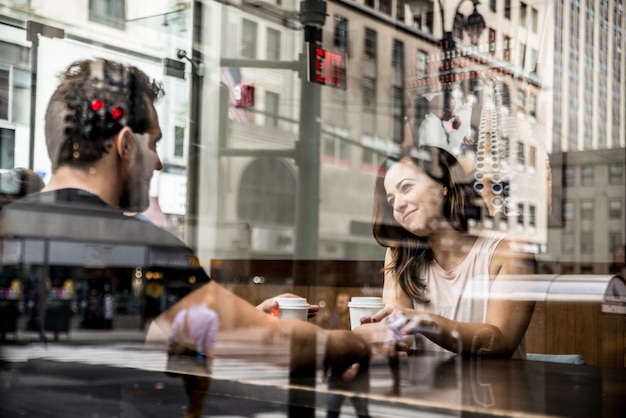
x: 102, y: 132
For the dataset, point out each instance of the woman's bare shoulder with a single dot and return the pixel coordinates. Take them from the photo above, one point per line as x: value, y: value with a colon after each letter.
x: 513, y: 257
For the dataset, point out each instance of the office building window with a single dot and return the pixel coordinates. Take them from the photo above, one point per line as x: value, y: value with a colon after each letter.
x: 568, y: 243
x: 586, y: 209
x: 370, y: 46
x: 534, y: 17
x: 369, y: 3
x: 615, y: 241
x: 586, y: 243
x: 336, y: 151
x: 506, y: 48
x: 20, y: 100
x: 531, y: 106
x: 521, y: 97
x: 532, y: 156
x: 400, y: 11
x: 4, y: 94
x: 108, y: 12
x: 568, y: 211
x: 272, y: 109
x: 616, y: 174
x: 429, y: 22
x: 523, y: 8
x: 421, y: 62
x: 385, y: 6
x: 586, y: 175
x: 615, y: 209
x: 398, y: 113
x: 532, y: 216
x: 369, y: 94
x: 505, y: 148
x: 15, y: 91
x: 7, y: 148
x: 179, y: 141
x: 507, y: 9
x: 420, y: 108
x: 492, y: 5
x: 198, y: 22
x: 397, y: 57
x: 521, y: 158
x: 397, y: 102
x: 569, y: 176
x: 492, y: 41
x: 520, y: 214
x: 273, y: 44
x: 368, y: 159
x: 248, y: 39
x: 340, y: 37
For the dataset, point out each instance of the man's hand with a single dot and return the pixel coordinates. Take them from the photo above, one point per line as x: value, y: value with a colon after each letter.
x: 384, y: 342
x: 270, y: 305
x: 346, y: 354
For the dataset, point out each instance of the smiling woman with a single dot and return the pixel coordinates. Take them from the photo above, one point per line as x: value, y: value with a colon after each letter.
x: 437, y: 275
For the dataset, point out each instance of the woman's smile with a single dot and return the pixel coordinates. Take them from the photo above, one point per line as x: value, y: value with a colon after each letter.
x: 407, y: 215
x: 416, y: 199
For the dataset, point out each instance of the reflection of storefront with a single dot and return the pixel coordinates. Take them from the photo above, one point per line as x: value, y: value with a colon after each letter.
x: 88, y: 285
x: 11, y: 301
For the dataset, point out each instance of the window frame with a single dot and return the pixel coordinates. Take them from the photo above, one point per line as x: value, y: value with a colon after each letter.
x: 370, y: 44
x: 107, y: 12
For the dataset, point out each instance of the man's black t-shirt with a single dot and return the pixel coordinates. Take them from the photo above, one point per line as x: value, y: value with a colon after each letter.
x: 72, y: 245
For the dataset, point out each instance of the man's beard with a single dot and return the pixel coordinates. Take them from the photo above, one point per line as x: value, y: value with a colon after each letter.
x: 136, y: 194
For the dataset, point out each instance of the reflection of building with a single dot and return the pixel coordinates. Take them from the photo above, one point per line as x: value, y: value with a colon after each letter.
x: 247, y: 202
x: 94, y: 28
x: 587, y: 226
x: 394, y: 59
x: 589, y: 135
x: 589, y: 109
x: 388, y: 47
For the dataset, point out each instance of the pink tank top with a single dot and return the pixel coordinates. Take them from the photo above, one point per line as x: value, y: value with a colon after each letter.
x: 462, y: 293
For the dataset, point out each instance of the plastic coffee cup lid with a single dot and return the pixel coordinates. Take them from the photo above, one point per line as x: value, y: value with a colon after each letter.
x: 292, y: 302
x: 366, y: 302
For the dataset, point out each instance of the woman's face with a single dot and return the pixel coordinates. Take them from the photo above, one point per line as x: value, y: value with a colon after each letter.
x: 416, y: 199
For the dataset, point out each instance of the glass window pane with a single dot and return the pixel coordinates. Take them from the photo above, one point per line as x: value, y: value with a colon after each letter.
x: 273, y: 44
x: 4, y: 94
x: 248, y: 39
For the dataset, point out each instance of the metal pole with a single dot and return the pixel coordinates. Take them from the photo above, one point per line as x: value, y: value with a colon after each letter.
x: 193, y: 149
x: 308, y: 160
x: 33, y: 99
x: 301, y: 403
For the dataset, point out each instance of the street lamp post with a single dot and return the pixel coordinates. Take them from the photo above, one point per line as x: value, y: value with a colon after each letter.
x: 473, y: 25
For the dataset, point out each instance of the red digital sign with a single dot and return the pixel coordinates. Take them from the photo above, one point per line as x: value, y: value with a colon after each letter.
x: 327, y: 68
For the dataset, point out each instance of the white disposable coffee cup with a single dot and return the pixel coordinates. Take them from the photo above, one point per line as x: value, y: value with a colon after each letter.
x: 361, y: 306
x: 293, y: 308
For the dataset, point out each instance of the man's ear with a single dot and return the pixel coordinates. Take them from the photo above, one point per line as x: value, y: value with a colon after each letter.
x: 445, y: 190
x: 124, y: 143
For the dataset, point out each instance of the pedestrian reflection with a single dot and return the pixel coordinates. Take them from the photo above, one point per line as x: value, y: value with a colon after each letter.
x: 351, y: 377
x: 190, y: 353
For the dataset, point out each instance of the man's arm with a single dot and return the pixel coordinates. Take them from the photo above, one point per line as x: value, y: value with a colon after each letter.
x: 235, y: 314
